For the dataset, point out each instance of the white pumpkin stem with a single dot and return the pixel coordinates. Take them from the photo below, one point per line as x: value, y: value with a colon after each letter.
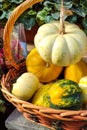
x: 62, y: 26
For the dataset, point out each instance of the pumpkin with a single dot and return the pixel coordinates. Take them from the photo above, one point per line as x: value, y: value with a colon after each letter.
x: 25, y: 86
x: 46, y: 72
x: 60, y: 48
x: 83, y: 86
x: 75, y: 71
x: 61, y: 94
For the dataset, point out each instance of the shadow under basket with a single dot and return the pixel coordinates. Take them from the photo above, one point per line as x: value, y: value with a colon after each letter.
x: 49, y: 117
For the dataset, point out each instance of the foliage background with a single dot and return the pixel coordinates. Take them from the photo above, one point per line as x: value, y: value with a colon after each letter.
x: 46, y: 11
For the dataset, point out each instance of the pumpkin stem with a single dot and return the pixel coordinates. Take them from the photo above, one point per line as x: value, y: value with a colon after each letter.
x: 62, y: 26
x: 47, y: 64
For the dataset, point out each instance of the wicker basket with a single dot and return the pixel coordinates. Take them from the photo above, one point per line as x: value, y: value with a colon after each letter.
x: 51, y: 118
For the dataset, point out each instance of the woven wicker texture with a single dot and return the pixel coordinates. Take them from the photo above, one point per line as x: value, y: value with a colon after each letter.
x: 51, y: 118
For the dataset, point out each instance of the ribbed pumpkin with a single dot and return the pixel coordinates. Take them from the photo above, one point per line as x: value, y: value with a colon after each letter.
x: 62, y: 94
x: 59, y: 48
x: 45, y: 71
x: 75, y: 71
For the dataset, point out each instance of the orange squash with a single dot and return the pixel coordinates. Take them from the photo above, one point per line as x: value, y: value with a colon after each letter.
x: 46, y: 72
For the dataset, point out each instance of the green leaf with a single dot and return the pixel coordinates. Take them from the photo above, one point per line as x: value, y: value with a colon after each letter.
x: 41, y: 15
x: 2, y: 14
x: 49, y: 18
x: 8, y: 13
x: 16, y: 1
x: 84, y: 22
x: 49, y: 4
x: 5, y: 5
x: 28, y: 21
x: 79, y: 11
x: 67, y: 4
x: 48, y: 9
x: 72, y: 19
x: 0, y: 5
x: 56, y: 15
x: 31, y: 12
x: 85, y: 30
x: 1, y: 0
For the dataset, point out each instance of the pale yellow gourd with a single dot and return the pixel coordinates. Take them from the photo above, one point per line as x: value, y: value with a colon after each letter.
x: 25, y: 86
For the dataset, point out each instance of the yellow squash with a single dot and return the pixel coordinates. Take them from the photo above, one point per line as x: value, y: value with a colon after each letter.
x: 83, y: 86
x: 75, y: 71
x: 45, y: 71
x: 41, y: 97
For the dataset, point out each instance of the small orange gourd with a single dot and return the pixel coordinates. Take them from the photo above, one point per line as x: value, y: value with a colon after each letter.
x: 45, y: 71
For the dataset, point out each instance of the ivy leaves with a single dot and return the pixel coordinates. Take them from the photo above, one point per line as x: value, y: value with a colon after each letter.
x: 46, y: 11
x: 51, y: 11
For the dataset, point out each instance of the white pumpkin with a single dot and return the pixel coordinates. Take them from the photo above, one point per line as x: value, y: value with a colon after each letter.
x: 61, y: 49
x: 25, y: 86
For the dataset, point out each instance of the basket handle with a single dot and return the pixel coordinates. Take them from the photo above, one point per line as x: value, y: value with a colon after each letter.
x: 9, y: 27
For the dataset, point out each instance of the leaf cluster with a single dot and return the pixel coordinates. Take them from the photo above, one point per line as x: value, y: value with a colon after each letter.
x: 46, y: 11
